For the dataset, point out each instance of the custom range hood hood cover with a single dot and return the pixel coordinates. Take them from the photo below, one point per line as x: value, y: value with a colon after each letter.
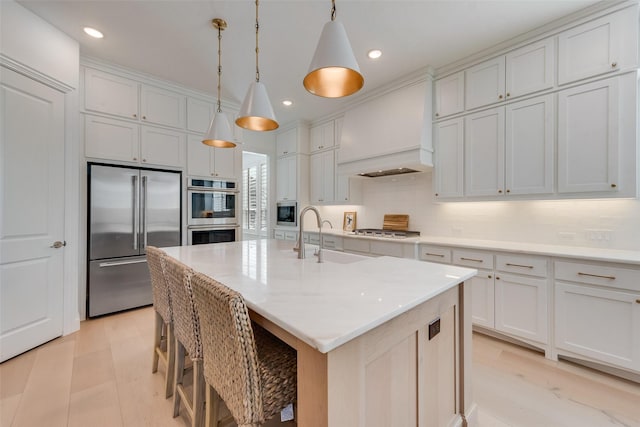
x: 389, y: 135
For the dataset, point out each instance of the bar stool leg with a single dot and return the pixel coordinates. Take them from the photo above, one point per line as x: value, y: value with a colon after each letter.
x: 198, y: 394
x: 171, y: 361
x: 179, y: 376
x: 157, y: 339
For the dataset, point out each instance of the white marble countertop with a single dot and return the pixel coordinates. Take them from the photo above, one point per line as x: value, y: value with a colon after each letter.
x: 323, y: 304
x: 577, y: 252
x: 593, y: 254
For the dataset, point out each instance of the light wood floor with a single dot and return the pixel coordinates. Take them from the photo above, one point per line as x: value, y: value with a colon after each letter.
x: 101, y: 376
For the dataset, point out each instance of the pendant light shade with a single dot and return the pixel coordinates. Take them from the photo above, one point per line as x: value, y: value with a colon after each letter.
x: 334, y: 71
x: 219, y: 134
x: 256, y: 112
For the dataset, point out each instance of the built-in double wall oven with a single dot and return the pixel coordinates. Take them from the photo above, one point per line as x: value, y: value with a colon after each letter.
x: 212, y: 215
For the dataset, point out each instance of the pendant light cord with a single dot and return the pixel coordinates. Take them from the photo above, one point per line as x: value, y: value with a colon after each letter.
x: 219, y: 65
x: 257, y: 50
x: 333, y: 10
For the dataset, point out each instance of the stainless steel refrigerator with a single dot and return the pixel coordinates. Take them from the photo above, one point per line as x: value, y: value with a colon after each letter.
x: 129, y: 209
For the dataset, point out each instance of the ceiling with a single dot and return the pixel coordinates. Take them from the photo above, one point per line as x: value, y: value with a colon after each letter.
x: 174, y: 39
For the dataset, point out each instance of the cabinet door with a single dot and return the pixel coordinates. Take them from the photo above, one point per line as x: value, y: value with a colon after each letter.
x: 482, y: 299
x: 322, y: 177
x: 521, y: 306
x: 322, y: 137
x: 286, y: 185
x: 199, y: 115
x: 484, y: 153
x: 224, y: 162
x: 163, y: 107
x: 162, y: 147
x: 589, y: 49
x: 449, y: 159
x: 613, y: 336
x: 286, y: 142
x: 529, y: 146
x: 484, y: 83
x: 111, y: 139
x: 449, y: 93
x: 110, y: 94
x: 530, y: 68
x: 199, y: 157
x: 588, y: 138
x: 338, y: 130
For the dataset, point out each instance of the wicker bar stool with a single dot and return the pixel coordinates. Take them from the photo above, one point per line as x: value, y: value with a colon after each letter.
x: 252, y: 371
x: 187, y: 338
x: 163, y: 333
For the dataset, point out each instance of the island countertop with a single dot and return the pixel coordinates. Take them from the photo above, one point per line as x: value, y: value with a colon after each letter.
x: 323, y: 304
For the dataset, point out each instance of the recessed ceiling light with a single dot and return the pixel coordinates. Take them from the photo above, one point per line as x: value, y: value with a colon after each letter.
x: 93, y: 32
x: 374, y: 53
x: 287, y: 103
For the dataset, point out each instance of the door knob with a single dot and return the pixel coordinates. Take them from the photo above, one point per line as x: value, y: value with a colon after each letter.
x: 58, y: 244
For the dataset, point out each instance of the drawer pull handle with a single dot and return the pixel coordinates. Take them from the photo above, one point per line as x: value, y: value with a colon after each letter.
x: 471, y: 259
x: 430, y: 254
x: 597, y: 275
x: 519, y: 265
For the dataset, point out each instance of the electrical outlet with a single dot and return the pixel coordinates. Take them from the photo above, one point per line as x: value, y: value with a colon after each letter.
x: 599, y: 235
x: 566, y: 235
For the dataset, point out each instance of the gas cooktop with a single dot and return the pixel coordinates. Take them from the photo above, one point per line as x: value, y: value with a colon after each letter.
x: 390, y: 234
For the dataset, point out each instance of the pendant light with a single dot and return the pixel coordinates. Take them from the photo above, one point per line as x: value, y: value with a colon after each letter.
x: 256, y: 112
x: 219, y: 134
x: 334, y: 71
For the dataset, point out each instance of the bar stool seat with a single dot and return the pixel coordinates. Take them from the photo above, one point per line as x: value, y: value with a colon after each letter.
x: 251, y: 370
x: 163, y: 348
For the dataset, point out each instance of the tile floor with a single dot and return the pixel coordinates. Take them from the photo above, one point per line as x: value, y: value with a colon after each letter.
x: 101, y: 376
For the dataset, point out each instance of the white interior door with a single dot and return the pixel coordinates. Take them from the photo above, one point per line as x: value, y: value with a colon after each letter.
x: 31, y: 213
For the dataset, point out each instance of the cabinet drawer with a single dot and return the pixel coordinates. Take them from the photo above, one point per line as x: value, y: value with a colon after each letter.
x: 473, y: 259
x: 356, y: 245
x: 290, y: 235
x: 531, y: 266
x: 278, y: 234
x: 602, y: 275
x: 314, y: 239
x: 331, y: 242
x: 386, y: 248
x: 435, y: 254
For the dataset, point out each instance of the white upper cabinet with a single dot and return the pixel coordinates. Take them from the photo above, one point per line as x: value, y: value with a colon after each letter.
x: 322, y: 137
x: 449, y: 155
x: 287, y: 142
x: 588, y: 126
x: 484, y: 83
x: 322, y: 177
x: 162, y: 107
x: 110, y: 94
x: 287, y: 177
x: 449, y: 94
x: 111, y: 139
x: 199, y: 114
x: 529, y: 146
x: 589, y: 49
x: 530, y: 68
x: 203, y: 160
x: 484, y: 153
x: 162, y: 147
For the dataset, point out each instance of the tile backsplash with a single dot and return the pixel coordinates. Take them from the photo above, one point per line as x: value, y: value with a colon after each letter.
x: 607, y: 223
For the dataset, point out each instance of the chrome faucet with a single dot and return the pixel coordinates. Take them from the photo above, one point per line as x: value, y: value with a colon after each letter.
x: 300, y: 247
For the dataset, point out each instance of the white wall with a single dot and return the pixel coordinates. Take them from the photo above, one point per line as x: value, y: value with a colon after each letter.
x: 560, y: 222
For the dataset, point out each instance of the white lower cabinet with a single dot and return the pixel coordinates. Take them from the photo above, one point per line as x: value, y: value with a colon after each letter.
x: 597, y: 313
x: 482, y: 299
x: 285, y: 235
x: 521, y: 306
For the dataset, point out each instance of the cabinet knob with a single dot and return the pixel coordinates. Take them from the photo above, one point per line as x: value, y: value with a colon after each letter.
x: 144, y: 117
x: 508, y: 94
x: 614, y: 64
x: 135, y: 158
x: 437, y: 114
x: 489, y: 276
x: 436, y: 194
x: 144, y: 160
x: 508, y: 191
x: 499, y: 96
x: 638, y: 301
x: 500, y: 191
x: 613, y: 185
x: 497, y: 278
x: 135, y: 116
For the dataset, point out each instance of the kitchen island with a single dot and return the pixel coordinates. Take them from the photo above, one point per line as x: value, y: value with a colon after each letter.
x: 380, y: 341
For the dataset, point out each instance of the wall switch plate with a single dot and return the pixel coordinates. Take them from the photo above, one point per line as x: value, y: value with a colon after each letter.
x: 434, y: 328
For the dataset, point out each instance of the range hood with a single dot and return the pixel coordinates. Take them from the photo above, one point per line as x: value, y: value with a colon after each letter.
x: 388, y: 135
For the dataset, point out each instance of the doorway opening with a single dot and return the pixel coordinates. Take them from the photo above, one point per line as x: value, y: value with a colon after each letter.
x: 255, y: 195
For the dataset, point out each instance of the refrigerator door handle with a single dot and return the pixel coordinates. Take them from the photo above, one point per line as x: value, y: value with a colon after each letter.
x: 134, y: 183
x: 144, y: 211
x: 117, y: 263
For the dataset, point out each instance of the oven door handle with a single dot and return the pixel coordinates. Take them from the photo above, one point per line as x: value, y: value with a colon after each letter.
x: 213, y: 190
x: 213, y: 227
